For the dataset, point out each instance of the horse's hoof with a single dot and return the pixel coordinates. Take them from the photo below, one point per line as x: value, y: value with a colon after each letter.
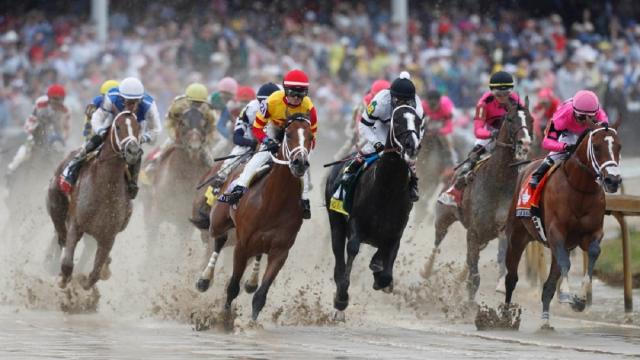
x: 565, y: 298
x: 250, y: 288
x: 202, y: 284
x: 578, y: 304
x: 340, y: 305
x: 546, y: 327
x: 62, y: 282
x: 389, y: 288
x: 501, y: 286
x: 338, y: 316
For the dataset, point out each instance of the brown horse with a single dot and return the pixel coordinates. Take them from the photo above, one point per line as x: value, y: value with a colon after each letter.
x: 175, y: 177
x: 268, y: 217
x: 572, y: 207
x: 99, y: 205
x: 486, y: 199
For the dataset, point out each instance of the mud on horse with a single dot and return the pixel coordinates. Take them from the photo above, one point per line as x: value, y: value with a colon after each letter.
x: 485, y: 201
x: 572, y: 208
x: 380, y: 210
x: 100, y: 204
x: 269, y: 215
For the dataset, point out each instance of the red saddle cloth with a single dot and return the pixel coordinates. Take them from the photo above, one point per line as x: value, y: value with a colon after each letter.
x: 529, y: 198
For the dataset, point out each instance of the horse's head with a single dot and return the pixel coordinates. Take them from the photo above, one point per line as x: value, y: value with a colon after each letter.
x: 193, y: 129
x: 405, y: 131
x: 516, y: 130
x: 601, y: 150
x: 124, y: 137
x: 296, y: 145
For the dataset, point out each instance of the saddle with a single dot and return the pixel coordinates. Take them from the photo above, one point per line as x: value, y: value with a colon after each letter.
x: 211, y: 197
x: 529, y: 199
x: 342, y: 198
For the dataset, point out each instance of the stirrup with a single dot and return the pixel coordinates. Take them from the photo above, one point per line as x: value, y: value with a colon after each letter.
x: 233, y: 196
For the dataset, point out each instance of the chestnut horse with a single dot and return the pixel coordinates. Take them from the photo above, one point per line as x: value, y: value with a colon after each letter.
x: 486, y: 199
x: 572, y: 207
x: 175, y: 177
x: 269, y: 215
x: 380, y: 211
x: 99, y: 205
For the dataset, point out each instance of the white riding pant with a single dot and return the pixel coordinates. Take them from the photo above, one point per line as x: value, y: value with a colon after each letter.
x: 23, y: 154
x: 486, y: 143
x: 230, y: 164
x: 570, y: 139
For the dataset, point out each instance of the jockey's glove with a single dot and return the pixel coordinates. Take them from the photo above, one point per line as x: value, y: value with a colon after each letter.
x: 270, y: 144
x: 146, y: 138
x: 494, y: 133
x: 569, y: 148
x: 378, y: 147
x: 102, y: 132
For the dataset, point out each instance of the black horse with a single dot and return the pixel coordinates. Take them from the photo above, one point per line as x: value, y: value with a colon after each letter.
x: 380, y: 210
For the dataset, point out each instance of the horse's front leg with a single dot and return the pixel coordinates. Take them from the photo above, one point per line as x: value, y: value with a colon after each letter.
x: 383, y: 280
x: 251, y: 285
x: 66, y: 268
x: 473, y: 256
x: 338, y: 241
x: 102, y: 254
x: 593, y: 250
x: 205, y: 278
x: 275, y: 262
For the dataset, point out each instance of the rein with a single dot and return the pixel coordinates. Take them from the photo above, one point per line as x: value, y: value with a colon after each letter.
x: 288, y: 153
x: 596, y: 169
x: 392, y: 134
x: 115, y: 140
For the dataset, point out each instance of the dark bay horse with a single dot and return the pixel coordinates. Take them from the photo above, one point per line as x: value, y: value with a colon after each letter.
x: 269, y: 215
x: 99, y: 205
x: 176, y: 175
x: 380, y: 211
x: 572, y: 207
x: 486, y: 199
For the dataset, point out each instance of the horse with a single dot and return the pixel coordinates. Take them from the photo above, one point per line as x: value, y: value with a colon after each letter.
x: 572, y: 208
x: 267, y: 218
x: 432, y: 168
x: 100, y: 204
x: 380, y: 210
x: 175, y: 177
x: 486, y: 199
x: 47, y: 149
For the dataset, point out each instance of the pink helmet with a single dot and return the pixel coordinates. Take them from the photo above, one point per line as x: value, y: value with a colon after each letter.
x: 546, y: 93
x: 378, y: 86
x: 228, y: 84
x: 585, y: 102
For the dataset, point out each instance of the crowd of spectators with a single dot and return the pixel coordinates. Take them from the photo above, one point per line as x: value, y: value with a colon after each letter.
x: 343, y: 46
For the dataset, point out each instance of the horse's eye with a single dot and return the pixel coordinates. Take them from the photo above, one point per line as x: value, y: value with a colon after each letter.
x: 117, y: 127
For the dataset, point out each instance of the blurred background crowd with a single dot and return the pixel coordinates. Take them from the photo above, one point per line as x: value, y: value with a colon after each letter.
x: 452, y: 46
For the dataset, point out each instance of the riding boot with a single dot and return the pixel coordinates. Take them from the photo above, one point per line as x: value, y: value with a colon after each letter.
x: 540, y: 171
x: 352, y: 169
x: 234, y: 195
x: 132, y: 186
x: 306, y: 209
x: 69, y: 175
x: 413, y: 188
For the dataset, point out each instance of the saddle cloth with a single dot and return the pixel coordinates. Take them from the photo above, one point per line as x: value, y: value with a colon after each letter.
x: 342, y: 198
x: 529, y: 198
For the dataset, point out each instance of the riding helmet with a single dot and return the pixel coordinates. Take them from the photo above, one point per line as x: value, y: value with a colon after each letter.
x: 501, y: 80
x: 266, y: 90
x: 403, y: 87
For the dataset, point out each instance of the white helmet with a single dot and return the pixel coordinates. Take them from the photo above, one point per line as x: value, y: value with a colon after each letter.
x: 131, y: 88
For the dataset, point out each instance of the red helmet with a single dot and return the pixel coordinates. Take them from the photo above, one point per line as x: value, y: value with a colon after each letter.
x: 296, y: 78
x: 378, y: 86
x: 546, y: 94
x: 245, y: 93
x: 56, y: 90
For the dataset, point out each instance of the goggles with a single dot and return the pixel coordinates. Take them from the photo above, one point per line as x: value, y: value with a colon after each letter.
x: 502, y: 91
x: 583, y: 116
x: 299, y: 92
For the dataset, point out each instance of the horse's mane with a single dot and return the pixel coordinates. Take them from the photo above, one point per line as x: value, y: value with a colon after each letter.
x: 589, y: 130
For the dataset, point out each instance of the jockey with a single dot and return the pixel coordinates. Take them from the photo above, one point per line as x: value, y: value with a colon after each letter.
x: 192, y: 103
x: 244, y: 95
x: 220, y: 100
x: 268, y: 130
x: 374, y: 123
x: 351, y: 130
x: 439, y: 111
x: 547, y: 105
x: 87, y: 132
x: 129, y: 95
x: 490, y: 110
x: 50, y: 113
x: 570, y: 120
x: 243, y: 138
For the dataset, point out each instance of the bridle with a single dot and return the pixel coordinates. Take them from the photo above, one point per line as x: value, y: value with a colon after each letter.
x: 513, y: 133
x: 591, y: 158
x: 288, y: 153
x: 122, y: 144
x: 411, y: 130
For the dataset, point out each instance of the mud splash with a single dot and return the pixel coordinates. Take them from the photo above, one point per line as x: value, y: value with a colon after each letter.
x: 507, y: 317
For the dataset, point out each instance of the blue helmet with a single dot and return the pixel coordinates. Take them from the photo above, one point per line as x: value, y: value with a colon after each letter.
x: 266, y: 90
